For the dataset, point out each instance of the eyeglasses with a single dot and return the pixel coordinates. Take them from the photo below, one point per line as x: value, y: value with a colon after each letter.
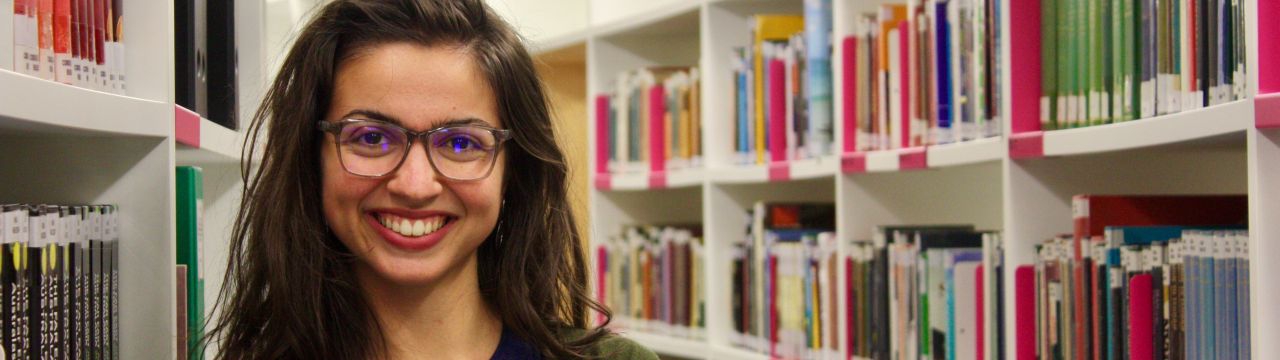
x: 371, y: 148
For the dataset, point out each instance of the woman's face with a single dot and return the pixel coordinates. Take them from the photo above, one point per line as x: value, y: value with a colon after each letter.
x: 419, y: 88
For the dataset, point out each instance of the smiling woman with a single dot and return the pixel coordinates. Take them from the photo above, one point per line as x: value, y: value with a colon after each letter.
x: 411, y: 200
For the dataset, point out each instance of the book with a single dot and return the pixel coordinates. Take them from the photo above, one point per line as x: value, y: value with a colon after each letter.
x: 190, y: 211
x: 190, y: 36
x: 222, y: 85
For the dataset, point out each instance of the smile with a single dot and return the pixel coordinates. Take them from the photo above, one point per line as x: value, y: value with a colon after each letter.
x: 412, y: 227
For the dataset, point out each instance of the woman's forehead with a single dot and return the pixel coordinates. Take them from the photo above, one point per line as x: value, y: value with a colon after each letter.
x: 416, y: 86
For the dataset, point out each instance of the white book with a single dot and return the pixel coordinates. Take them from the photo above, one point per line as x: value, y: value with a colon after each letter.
x: 7, y: 50
x: 966, y: 321
x: 621, y: 97
x: 25, y: 48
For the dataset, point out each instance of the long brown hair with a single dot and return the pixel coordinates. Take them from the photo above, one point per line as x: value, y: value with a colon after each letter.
x: 291, y: 290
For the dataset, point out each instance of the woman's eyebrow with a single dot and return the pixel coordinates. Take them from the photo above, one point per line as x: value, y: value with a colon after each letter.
x: 371, y: 114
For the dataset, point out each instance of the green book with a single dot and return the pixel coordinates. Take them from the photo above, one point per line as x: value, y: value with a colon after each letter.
x: 1064, y: 71
x: 1049, y: 65
x: 190, y: 186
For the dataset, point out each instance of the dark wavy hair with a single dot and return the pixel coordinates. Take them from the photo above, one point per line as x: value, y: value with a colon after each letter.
x: 291, y: 291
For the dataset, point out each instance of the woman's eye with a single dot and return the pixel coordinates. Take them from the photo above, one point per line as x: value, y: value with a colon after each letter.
x: 368, y: 136
x: 460, y: 143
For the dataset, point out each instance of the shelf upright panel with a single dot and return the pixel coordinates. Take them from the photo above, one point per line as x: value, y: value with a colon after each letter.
x: 1264, y: 174
x: 1264, y: 240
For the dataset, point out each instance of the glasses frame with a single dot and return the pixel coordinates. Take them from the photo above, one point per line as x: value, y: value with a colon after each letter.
x: 500, y: 136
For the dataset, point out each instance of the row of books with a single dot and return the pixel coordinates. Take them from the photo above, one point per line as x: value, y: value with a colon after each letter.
x: 59, y: 282
x: 652, y: 121
x: 925, y: 291
x: 1105, y: 61
x: 1090, y: 269
x: 1153, y: 292
x: 782, y: 87
x: 76, y: 42
x: 784, y: 282
x: 922, y: 75
x: 653, y: 279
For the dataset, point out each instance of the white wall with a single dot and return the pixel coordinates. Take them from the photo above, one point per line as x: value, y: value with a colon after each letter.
x: 542, y: 20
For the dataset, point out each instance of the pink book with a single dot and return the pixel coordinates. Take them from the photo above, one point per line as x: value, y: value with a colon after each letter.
x: 602, y: 269
x: 904, y: 63
x: 657, y: 127
x: 602, y: 134
x: 982, y: 334
x: 850, y: 64
x: 1140, y: 321
x: 777, y: 111
x: 1024, y: 280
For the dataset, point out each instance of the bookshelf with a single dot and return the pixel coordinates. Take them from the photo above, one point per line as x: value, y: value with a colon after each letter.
x: 1020, y: 184
x: 72, y: 145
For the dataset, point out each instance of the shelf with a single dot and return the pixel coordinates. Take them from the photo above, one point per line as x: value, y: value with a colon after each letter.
x: 645, y: 181
x: 36, y: 106
x: 1185, y: 128
x: 201, y: 141
x: 666, y: 345
x: 719, y: 352
x: 679, y: 18
x: 967, y: 152
x: 776, y: 172
x: 1266, y: 111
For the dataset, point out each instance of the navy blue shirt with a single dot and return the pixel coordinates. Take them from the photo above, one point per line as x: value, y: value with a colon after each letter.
x: 511, y: 347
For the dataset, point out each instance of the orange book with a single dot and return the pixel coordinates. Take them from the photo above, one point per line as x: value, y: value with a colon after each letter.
x: 62, y: 41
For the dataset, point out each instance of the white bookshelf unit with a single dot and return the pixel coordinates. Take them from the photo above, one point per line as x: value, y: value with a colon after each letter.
x: 1019, y: 184
x: 71, y: 145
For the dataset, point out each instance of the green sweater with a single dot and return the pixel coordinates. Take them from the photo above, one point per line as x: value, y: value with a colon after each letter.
x: 616, y: 347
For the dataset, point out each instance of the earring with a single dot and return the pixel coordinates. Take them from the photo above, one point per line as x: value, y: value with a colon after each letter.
x: 498, y: 230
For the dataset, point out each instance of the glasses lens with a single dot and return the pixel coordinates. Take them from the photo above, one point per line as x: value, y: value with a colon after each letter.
x: 463, y: 153
x: 371, y: 149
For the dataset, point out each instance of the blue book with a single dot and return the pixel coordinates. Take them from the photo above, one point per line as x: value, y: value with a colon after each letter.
x: 1208, y: 321
x: 1191, y: 291
x: 943, y: 66
x: 1242, y: 296
x: 953, y: 257
x: 817, y: 37
x: 1229, y: 335
x: 744, y: 117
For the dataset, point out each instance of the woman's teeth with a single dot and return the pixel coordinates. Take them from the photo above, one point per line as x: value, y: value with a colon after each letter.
x: 413, y: 228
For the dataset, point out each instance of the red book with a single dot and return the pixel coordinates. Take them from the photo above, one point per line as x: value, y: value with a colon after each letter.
x: 602, y: 134
x: 849, y: 98
x: 1140, y: 318
x: 62, y: 41
x: 1024, y: 281
x: 982, y: 335
x: 850, y: 330
x: 773, y: 306
x: 777, y: 111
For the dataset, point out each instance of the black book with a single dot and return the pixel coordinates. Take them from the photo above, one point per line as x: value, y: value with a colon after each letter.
x: 14, y: 278
x: 223, y: 64
x: 191, y: 55
x: 36, y: 283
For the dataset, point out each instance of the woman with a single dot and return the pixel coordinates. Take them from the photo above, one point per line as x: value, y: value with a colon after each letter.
x: 411, y: 199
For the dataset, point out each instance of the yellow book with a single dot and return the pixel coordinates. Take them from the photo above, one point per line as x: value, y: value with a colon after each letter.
x: 768, y: 28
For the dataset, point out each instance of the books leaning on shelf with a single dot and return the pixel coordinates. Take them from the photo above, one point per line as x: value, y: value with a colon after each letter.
x: 75, y: 42
x: 1150, y: 292
x: 784, y: 281
x: 1106, y: 61
x: 925, y: 292
x: 782, y: 88
x: 652, y: 122
x: 59, y: 281
x: 924, y: 75
x: 652, y: 279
